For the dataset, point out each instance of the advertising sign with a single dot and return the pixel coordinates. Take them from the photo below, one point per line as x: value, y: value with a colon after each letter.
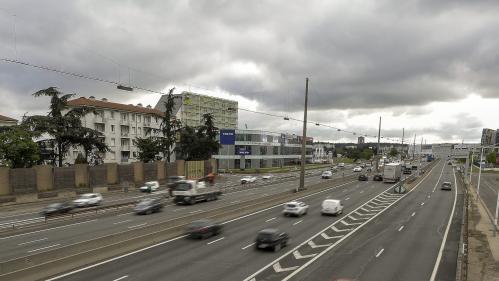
x: 243, y: 151
x: 228, y: 137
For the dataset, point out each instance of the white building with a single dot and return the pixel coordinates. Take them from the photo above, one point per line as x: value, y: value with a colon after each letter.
x: 121, y: 124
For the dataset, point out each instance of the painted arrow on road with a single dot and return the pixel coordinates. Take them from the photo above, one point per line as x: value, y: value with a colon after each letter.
x: 299, y: 256
x: 277, y: 268
x: 313, y: 245
x: 325, y: 236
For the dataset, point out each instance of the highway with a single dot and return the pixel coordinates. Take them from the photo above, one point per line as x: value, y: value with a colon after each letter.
x: 231, y: 255
x: 73, y: 231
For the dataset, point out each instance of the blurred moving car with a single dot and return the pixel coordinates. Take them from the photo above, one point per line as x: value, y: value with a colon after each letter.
x: 248, y: 179
x: 172, y: 183
x: 148, y: 206
x: 363, y: 177
x: 446, y: 186
x: 203, y: 229
x: 332, y: 207
x: 327, y: 175
x: 414, y: 167
x: 295, y: 208
x: 341, y: 165
x: 57, y: 208
x: 271, y: 238
x: 150, y: 186
x: 378, y: 177
x: 88, y: 199
x: 357, y: 169
x: 267, y: 177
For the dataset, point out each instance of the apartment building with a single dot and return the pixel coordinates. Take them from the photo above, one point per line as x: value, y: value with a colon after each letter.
x: 120, y: 124
x: 190, y: 107
x: 7, y: 121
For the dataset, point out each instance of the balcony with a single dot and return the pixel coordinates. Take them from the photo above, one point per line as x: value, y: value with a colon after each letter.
x: 125, y: 147
x: 125, y: 134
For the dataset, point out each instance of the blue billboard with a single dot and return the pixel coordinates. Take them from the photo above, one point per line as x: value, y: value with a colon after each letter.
x: 227, y: 136
x: 243, y: 150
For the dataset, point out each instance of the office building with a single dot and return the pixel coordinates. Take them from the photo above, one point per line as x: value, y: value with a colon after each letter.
x: 190, y: 107
x: 488, y: 137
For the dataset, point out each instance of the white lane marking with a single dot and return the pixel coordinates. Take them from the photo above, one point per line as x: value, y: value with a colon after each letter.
x: 277, y: 268
x: 237, y: 201
x: 348, y: 198
x: 121, y: 278
x: 439, y: 257
x: 42, y: 230
x: 120, y: 222
x: 120, y: 215
x: 196, y: 211
x: 246, y: 247
x: 33, y: 241
x: 179, y: 209
x: 429, y: 196
x: 327, y: 237
x: 339, y: 230
x: 422, y: 203
x: 299, y: 256
x: 402, y: 227
x: 380, y: 252
x: 313, y: 245
x: 362, y: 191
x: 138, y: 225
x: 344, y: 190
x: 43, y: 248
x: 297, y: 222
x: 271, y: 219
x: 413, y: 214
x: 349, y: 224
x: 214, y: 241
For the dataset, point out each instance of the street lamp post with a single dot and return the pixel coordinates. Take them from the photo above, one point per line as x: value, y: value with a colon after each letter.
x: 303, y: 141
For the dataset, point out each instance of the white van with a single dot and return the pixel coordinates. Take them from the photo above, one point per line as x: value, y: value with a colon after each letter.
x: 332, y: 207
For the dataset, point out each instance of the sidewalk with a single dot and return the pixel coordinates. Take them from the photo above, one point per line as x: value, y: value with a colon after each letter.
x: 483, y: 243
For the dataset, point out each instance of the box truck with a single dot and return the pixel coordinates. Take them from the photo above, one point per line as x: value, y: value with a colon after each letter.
x: 392, y: 172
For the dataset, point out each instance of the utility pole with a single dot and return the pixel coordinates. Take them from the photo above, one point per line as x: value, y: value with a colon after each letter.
x: 471, y: 166
x: 377, y: 149
x: 304, y: 141
x: 414, y: 148
x: 402, y: 149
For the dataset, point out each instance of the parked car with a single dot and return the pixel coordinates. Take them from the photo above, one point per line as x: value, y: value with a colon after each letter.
x: 327, y: 175
x: 271, y: 238
x: 203, y: 229
x: 332, y: 207
x: 57, y: 208
x: 378, y: 177
x: 88, y: 199
x: 363, y: 177
x: 248, y: 179
x: 407, y: 171
x: 148, y: 206
x: 295, y: 208
x: 267, y: 177
x: 357, y: 169
x: 446, y: 186
x: 150, y: 186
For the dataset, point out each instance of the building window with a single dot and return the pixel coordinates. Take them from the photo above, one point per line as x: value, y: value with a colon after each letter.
x: 134, y: 154
x: 276, y: 150
x: 124, y: 116
x: 133, y: 117
x: 112, y: 114
x: 139, y: 131
x: 134, y: 130
x: 156, y: 119
x: 138, y: 118
x: 113, y: 141
x: 112, y: 155
x: 112, y: 128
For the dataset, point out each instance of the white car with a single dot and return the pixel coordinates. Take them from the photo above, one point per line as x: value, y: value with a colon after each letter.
x: 88, y: 199
x: 332, y: 207
x: 327, y: 175
x: 295, y: 208
x: 341, y: 165
x: 248, y: 179
x: 357, y: 169
x: 267, y: 177
x: 153, y: 185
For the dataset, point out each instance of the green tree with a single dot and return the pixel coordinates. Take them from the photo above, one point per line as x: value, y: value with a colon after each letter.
x: 199, y: 144
x: 148, y: 148
x: 393, y: 152
x: 366, y: 154
x: 63, y: 124
x: 80, y: 159
x: 491, y: 157
x: 17, y: 148
x: 169, y: 127
x: 188, y: 145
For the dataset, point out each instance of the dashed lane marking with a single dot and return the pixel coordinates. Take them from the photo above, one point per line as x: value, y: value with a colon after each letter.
x: 246, y: 247
x: 43, y: 248
x: 33, y: 241
x: 271, y: 219
x: 380, y: 252
x: 214, y: 241
x: 297, y: 222
x: 402, y: 227
x: 121, y: 278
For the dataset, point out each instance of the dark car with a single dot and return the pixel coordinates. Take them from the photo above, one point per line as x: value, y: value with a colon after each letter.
x: 414, y: 167
x: 407, y: 171
x: 148, y: 206
x: 57, y: 209
x: 378, y: 177
x: 203, y: 229
x: 446, y: 186
x: 363, y: 177
x: 271, y: 239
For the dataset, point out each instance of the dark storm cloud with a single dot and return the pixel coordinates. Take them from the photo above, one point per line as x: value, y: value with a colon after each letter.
x: 360, y: 55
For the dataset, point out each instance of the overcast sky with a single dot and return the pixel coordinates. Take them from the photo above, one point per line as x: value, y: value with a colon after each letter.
x: 429, y: 66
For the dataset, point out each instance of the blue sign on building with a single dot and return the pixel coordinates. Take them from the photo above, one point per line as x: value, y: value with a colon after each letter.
x: 243, y: 151
x: 228, y: 137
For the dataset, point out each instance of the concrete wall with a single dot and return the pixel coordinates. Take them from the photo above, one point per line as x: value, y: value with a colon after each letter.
x: 44, y: 178
x: 180, y: 167
x: 161, y: 170
x: 81, y: 175
x: 112, y: 173
x: 4, y: 181
x: 138, y: 172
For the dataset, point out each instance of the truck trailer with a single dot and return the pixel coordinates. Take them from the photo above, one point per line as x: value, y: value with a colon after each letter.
x: 193, y: 191
x: 392, y: 172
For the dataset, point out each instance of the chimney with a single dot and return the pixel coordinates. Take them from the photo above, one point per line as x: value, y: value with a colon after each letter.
x: 139, y: 104
x: 92, y: 97
x: 149, y: 106
x: 104, y: 99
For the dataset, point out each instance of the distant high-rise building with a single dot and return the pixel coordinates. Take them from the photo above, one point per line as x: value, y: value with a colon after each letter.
x: 488, y: 137
x: 361, y: 140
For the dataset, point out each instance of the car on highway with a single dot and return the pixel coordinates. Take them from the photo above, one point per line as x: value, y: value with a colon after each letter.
x: 341, y: 165
x: 363, y: 177
x: 331, y: 207
x: 172, y: 183
x: 407, y: 171
x: 203, y: 229
x: 446, y: 186
x: 267, y: 177
x: 57, y: 209
x: 357, y: 169
x: 271, y: 238
x: 148, y: 206
x: 88, y: 199
x: 378, y: 177
x: 150, y: 186
x: 327, y: 175
x: 414, y: 167
x: 295, y: 208
x: 248, y: 179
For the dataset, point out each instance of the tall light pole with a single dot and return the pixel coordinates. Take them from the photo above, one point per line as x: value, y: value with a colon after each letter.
x: 471, y: 166
x: 377, y: 149
x: 304, y: 141
x: 402, y: 149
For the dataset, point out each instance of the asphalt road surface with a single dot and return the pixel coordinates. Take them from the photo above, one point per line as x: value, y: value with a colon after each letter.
x: 489, y: 187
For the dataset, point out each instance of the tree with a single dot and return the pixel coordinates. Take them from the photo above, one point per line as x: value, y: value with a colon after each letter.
x: 17, y: 148
x: 366, y: 154
x: 80, y: 159
x: 169, y: 126
x: 199, y: 144
x: 91, y: 140
x: 148, y: 148
x: 393, y: 152
x: 491, y: 157
x: 66, y: 129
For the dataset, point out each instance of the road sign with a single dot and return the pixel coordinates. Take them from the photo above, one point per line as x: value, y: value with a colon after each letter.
x: 400, y: 188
